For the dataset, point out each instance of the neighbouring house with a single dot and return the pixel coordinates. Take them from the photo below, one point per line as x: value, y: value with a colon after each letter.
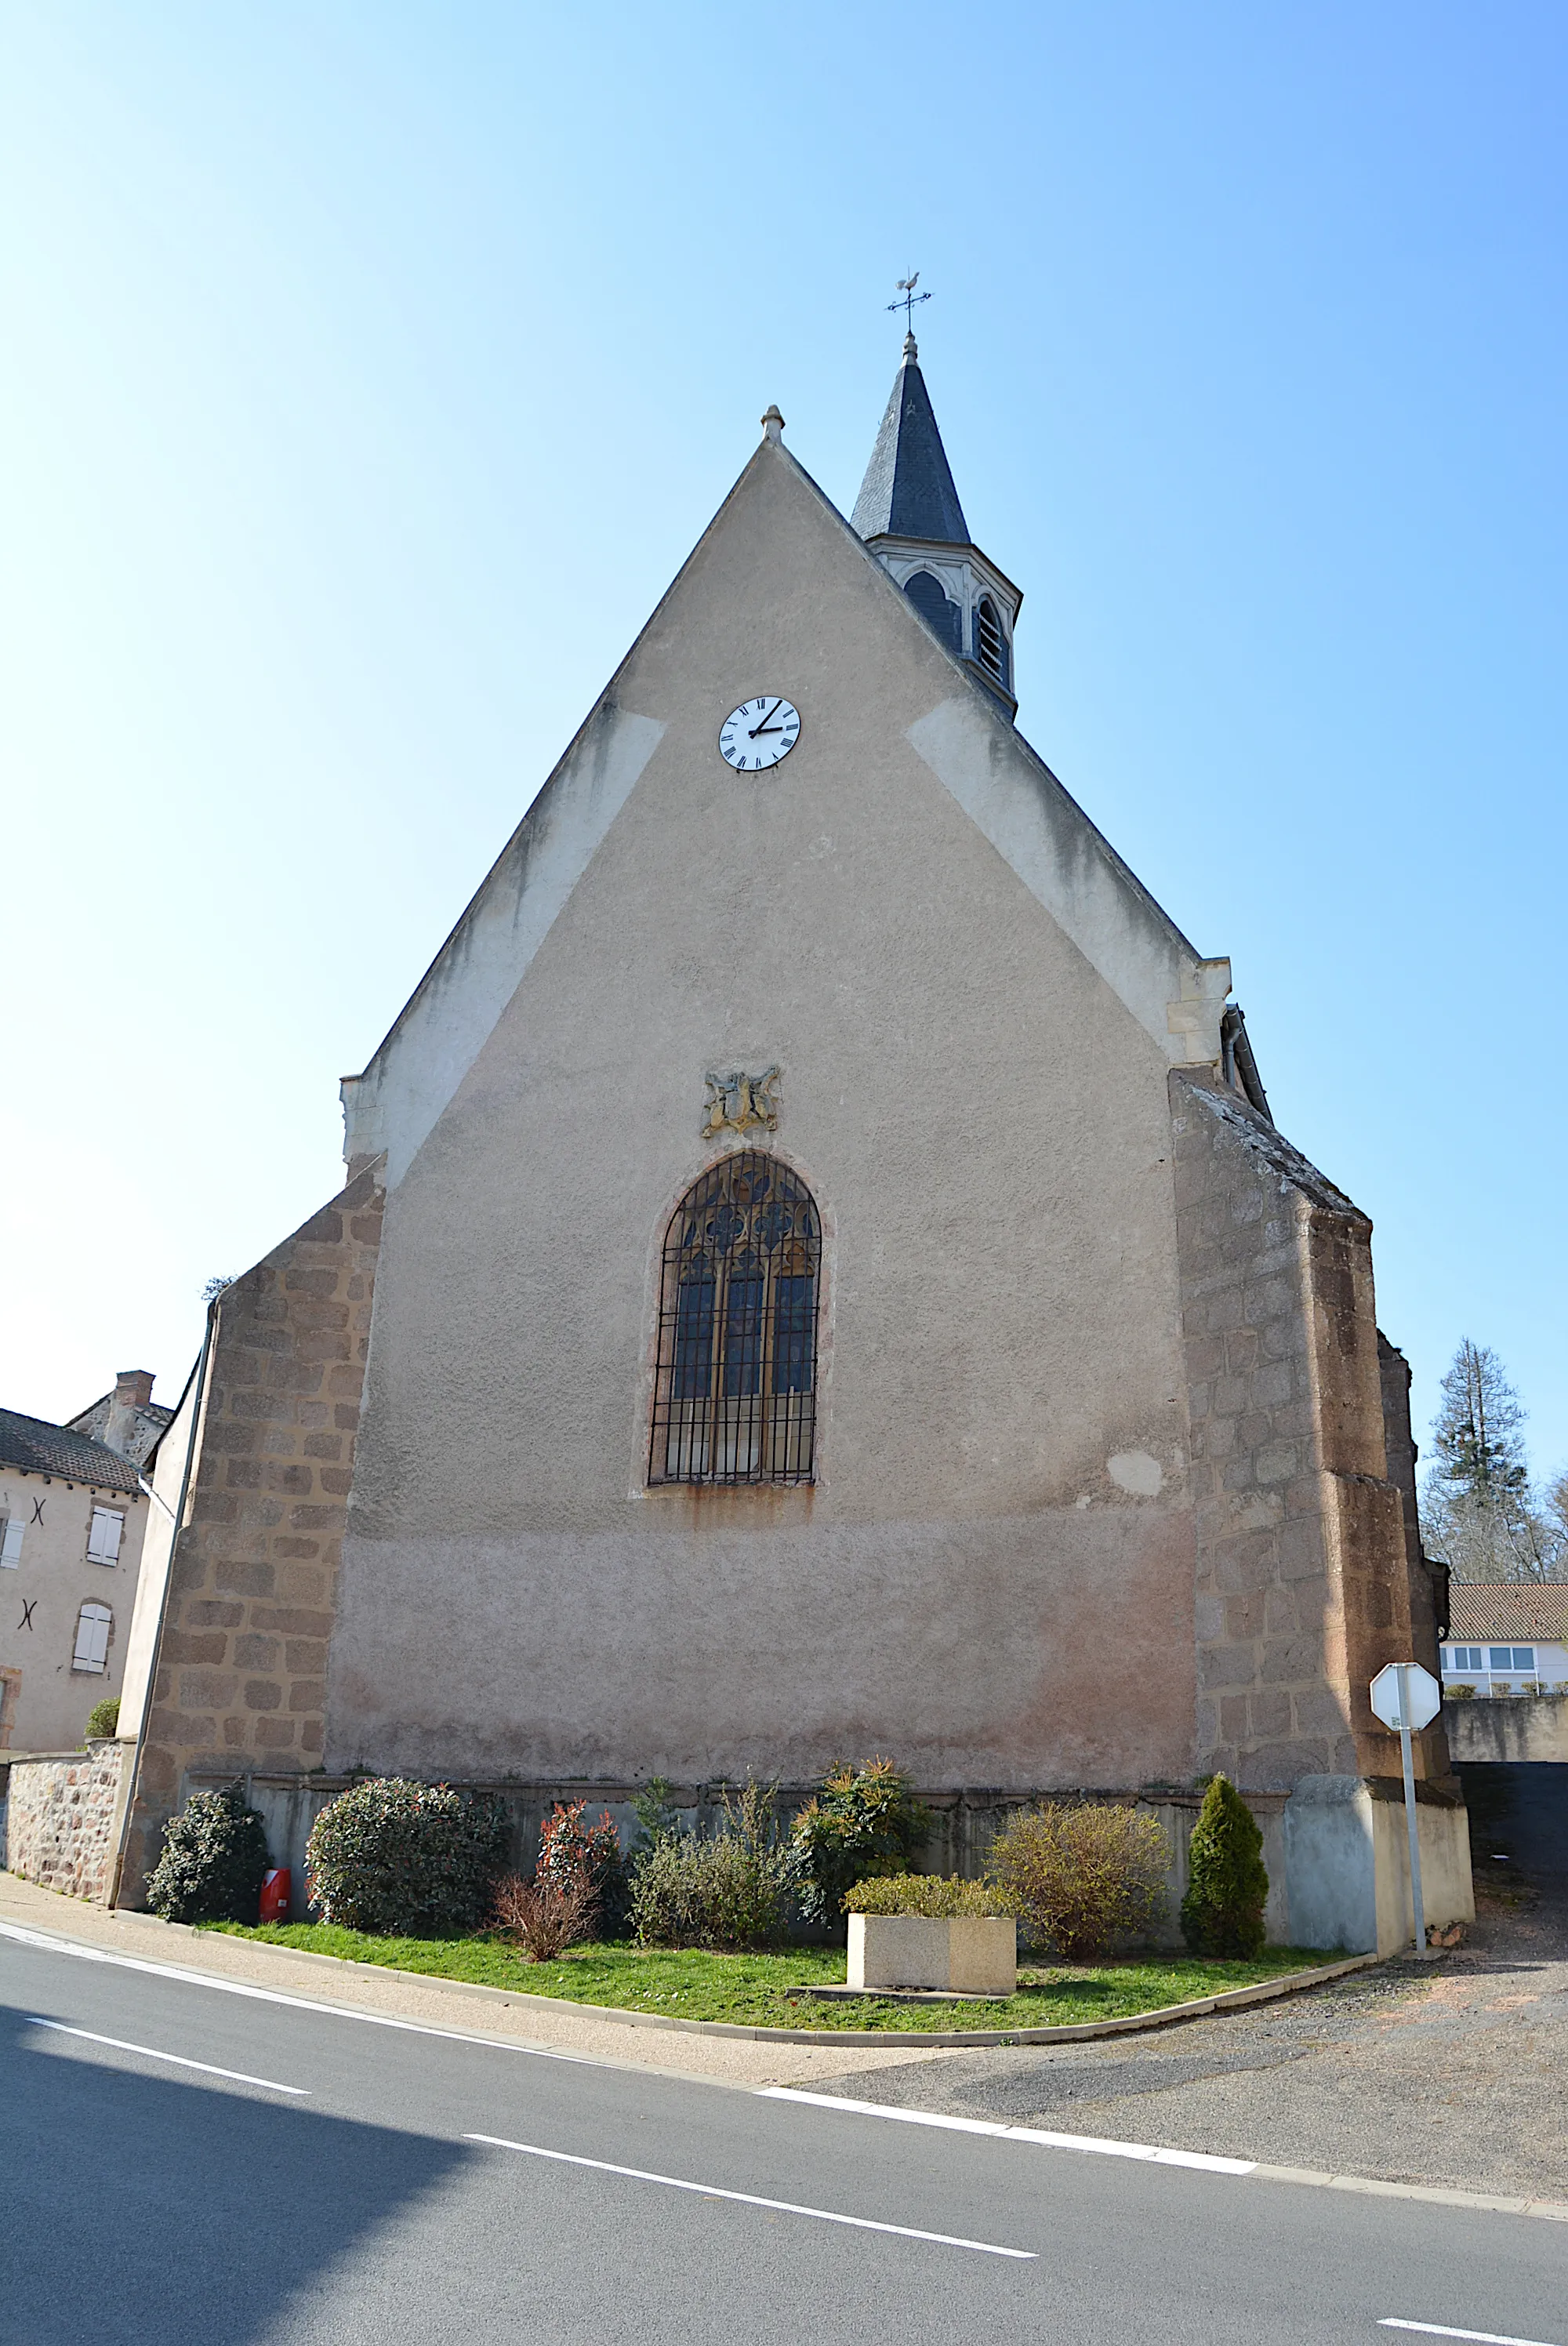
x: 817, y: 1275
x: 127, y: 1419
x: 73, y: 1517
x: 1506, y: 1638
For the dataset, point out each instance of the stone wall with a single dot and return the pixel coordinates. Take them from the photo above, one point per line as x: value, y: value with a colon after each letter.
x: 1303, y: 1568
x: 241, y: 1669
x: 60, y: 1815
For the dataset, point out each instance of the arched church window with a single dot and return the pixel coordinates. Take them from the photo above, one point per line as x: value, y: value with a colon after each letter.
x: 735, y: 1399
x: 989, y: 643
x: 932, y: 602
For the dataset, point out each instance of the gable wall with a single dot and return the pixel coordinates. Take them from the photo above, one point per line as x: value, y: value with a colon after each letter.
x: 985, y: 1128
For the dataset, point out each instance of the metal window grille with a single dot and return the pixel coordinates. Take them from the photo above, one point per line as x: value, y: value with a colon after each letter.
x: 735, y: 1399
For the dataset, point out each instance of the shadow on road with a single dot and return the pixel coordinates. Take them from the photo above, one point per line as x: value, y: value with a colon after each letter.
x: 149, y: 2212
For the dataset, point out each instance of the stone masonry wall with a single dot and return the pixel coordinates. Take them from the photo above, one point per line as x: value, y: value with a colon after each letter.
x: 252, y: 1598
x: 60, y: 1816
x: 1301, y: 1567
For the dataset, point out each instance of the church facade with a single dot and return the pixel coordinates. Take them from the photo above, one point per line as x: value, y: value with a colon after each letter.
x: 817, y: 1276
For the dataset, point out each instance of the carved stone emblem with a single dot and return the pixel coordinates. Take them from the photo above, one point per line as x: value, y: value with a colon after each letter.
x: 737, y: 1101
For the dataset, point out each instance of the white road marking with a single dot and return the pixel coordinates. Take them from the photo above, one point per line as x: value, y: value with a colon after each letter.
x: 277, y: 1995
x: 1436, y: 2329
x: 1202, y: 2159
x: 752, y: 2200
x: 180, y: 2060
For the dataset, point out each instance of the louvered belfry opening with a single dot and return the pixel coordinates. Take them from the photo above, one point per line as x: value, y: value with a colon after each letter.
x: 735, y: 1399
x: 988, y: 643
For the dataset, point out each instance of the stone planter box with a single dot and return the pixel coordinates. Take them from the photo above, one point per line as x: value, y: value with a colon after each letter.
x: 972, y: 1954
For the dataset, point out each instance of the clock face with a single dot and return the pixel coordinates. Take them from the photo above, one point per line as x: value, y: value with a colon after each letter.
x: 759, y: 733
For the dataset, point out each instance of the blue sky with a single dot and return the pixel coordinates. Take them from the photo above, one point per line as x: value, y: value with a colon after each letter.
x: 371, y: 370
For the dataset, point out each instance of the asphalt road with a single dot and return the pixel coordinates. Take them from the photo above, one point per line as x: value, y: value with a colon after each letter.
x: 1447, y: 2074
x: 146, y: 2200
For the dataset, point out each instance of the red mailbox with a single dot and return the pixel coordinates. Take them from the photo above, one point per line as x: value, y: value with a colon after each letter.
x: 275, y: 1894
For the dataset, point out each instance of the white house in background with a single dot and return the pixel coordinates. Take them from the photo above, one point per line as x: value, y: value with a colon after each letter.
x: 73, y: 1515
x: 1507, y: 1638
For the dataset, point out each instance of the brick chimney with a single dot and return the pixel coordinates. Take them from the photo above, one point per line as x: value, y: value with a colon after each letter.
x: 133, y: 1391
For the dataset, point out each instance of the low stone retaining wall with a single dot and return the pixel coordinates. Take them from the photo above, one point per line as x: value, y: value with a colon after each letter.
x: 60, y: 1814
x: 1506, y: 1730
x: 963, y: 1826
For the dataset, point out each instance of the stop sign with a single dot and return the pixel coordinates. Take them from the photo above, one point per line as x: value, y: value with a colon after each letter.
x: 1395, y: 1706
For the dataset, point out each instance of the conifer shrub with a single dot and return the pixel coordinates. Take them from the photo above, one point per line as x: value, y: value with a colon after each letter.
x: 398, y: 1858
x: 569, y: 1847
x: 1228, y: 1881
x: 942, y: 1896
x: 104, y: 1717
x: 1081, y: 1875
x: 862, y: 1824
x: 727, y: 1890
x: 214, y: 1855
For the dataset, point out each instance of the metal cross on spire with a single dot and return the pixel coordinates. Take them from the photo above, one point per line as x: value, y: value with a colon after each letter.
x: 909, y: 299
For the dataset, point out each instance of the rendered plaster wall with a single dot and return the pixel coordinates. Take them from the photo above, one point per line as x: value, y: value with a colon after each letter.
x: 1348, y: 1863
x: 60, y: 1812
x: 992, y: 1578
x: 1508, y: 1728
x: 251, y: 1588
x: 1303, y: 1573
x: 45, y: 1699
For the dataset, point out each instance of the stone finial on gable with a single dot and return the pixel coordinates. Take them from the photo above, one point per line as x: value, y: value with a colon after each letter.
x: 773, y: 425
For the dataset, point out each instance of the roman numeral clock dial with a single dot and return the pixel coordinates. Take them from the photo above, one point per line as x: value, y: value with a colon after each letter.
x: 759, y: 733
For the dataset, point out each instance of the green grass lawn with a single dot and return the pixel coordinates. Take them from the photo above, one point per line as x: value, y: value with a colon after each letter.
x: 752, y: 1989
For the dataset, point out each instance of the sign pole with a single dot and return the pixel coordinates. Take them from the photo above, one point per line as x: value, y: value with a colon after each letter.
x: 1407, y: 1756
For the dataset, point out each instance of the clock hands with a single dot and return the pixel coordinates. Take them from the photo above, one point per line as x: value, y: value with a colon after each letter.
x: 768, y: 729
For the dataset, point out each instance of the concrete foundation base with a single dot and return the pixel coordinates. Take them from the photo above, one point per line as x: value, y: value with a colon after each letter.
x: 1347, y: 1863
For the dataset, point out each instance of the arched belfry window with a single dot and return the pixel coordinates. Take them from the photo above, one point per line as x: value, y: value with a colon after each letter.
x: 989, y: 643
x: 932, y: 601
x: 735, y: 1399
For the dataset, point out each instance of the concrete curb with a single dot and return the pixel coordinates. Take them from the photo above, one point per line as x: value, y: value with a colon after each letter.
x: 1228, y: 1999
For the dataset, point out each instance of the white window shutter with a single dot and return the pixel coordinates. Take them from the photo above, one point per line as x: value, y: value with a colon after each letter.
x: 92, y: 1637
x: 104, y: 1538
x: 11, y: 1544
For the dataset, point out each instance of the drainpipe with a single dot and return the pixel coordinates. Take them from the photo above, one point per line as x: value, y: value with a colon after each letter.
x: 199, y: 1378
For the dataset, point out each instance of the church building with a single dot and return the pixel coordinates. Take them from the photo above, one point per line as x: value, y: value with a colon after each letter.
x: 817, y: 1276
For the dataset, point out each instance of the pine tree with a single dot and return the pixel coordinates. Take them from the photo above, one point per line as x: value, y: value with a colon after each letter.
x: 1228, y: 1881
x: 1478, y: 1510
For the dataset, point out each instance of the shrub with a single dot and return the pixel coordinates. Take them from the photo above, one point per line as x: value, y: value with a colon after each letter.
x: 568, y: 1847
x: 656, y: 1818
x: 941, y: 1895
x: 390, y: 1856
x: 1227, y: 1882
x: 1458, y: 1693
x: 1081, y: 1875
x: 723, y: 1890
x: 214, y: 1855
x: 104, y: 1717
x: 860, y: 1825
x: 546, y: 1915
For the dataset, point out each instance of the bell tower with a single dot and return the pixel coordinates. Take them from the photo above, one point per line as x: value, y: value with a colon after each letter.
x: 908, y: 513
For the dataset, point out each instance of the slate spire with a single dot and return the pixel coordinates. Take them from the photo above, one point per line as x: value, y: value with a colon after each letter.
x: 908, y: 514
x: 908, y: 490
